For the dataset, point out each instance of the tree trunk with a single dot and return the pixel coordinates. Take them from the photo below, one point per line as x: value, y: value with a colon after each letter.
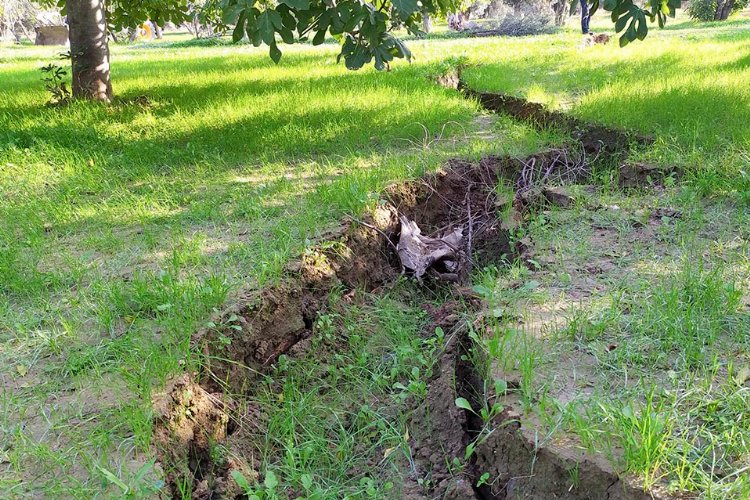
x: 89, y: 50
x: 158, y: 32
x: 723, y: 10
x: 426, y: 23
x: 561, y: 11
x: 728, y: 6
x: 719, y: 6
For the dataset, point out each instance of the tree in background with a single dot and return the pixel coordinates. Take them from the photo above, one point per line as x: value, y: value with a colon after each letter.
x: 205, y: 19
x: 715, y: 10
x: 17, y: 16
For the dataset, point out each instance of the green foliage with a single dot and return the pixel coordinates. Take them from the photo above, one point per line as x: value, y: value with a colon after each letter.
x: 705, y: 10
x: 364, y: 29
x: 631, y: 20
x: 54, y: 83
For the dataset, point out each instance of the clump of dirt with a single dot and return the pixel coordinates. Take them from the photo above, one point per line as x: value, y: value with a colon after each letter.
x: 189, y: 422
x: 522, y: 468
x: 245, y: 340
x: 441, y: 430
x: 636, y: 174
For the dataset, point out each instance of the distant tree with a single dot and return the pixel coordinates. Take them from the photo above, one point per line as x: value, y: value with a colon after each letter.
x: 17, y: 16
x: 205, y: 19
x: 364, y: 28
x: 560, y: 8
x: 715, y: 10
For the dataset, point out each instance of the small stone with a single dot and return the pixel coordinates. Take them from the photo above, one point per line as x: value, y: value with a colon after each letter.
x: 559, y: 196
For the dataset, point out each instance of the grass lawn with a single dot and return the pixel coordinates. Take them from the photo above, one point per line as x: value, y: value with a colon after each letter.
x: 686, y: 86
x: 124, y: 227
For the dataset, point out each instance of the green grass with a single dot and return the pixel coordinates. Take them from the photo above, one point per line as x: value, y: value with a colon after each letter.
x: 686, y: 86
x: 344, y: 424
x: 640, y: 334
x: 123, y: 228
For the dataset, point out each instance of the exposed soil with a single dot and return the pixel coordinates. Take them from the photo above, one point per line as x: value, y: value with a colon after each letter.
x: 440, y: 429
x: 247, y: 339
x: 594, y: 138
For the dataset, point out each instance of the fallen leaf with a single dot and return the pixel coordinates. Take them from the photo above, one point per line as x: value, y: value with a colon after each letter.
x: 22, y: 370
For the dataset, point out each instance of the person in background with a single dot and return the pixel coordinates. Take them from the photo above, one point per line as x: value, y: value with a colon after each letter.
x: 585, y: 17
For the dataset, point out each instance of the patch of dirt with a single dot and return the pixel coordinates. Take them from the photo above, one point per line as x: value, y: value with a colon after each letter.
x: 440, y: 429
x: 189, y: 421
x: 635, y: 174
x: 523, y: 468
x: 246, y: 339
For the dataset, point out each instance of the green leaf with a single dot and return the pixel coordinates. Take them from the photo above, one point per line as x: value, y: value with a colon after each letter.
x: 469, y: 451
x: 239, y: 29
x: 642, y: 28
x: 267, y: 23
x: 464, y: 404
x: 405, y: 8
x: 270, y: 482
x: 241, y: 481
x: 232, y: 14
x: 297, y: 4
x: 286, y: 35
x: 319, y: 37
x: 113, y: 479
x: 274, y: 52
x: 620, y: 24
x: 501, y: 386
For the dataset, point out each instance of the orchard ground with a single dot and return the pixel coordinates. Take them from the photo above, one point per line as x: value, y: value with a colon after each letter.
x: 124, y: 228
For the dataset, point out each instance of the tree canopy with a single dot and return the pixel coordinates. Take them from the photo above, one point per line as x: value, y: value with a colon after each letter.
x: 365, y: 29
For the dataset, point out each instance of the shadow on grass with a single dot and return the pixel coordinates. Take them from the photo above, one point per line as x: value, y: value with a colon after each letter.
x: 698, y: 25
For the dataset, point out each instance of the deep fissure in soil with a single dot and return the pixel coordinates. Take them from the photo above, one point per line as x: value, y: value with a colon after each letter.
x: 245, y: 341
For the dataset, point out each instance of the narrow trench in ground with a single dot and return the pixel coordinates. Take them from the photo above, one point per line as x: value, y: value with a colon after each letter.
x: 245, y: 341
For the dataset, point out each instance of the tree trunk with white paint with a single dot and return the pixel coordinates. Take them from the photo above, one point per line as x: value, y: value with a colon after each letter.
x: 89, y: 50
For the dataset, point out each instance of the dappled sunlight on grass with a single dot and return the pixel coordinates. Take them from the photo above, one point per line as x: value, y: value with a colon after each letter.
x: 689, y: 91
x: 124, y: 227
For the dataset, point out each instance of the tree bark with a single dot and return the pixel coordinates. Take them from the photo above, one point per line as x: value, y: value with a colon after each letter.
x: 719, y: 6
x: 89, y: 50
x: 723, y: 10
x: 426, y: 23
x: 727, y: 10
